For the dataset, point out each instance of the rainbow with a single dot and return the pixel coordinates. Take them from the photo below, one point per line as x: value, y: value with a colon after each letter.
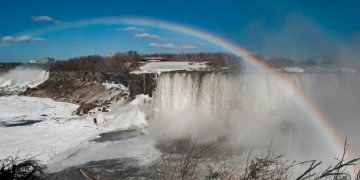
x: 319, y: 119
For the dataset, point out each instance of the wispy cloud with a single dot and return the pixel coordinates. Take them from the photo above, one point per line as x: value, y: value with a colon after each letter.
x: 164, y: 46
x: 44, y: 19
x: 189, y: 47
x: 24, y: 38
x: 38, y: 39
x: 131, y: 28
x: 168, y: 46
x: 147, y: 35
x: 7, y: 39
x: 154, y: 45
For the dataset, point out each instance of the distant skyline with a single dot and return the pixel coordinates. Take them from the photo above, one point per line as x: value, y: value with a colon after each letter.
x: 323, y: 30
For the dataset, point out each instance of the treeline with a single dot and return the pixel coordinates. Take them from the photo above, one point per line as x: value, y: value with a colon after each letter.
x: 278, y: 62
x: 125, y: 62
x: 117, y: 63
x: 4, y: 67
x: 213, y: 56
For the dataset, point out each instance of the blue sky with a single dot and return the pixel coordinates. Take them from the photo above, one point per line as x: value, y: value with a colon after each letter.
x: 324, y: 30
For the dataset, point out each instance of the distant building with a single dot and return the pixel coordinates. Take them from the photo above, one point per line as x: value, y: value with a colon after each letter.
x: 110, y: 55
x: 152, y: 59
x: 44, y: 60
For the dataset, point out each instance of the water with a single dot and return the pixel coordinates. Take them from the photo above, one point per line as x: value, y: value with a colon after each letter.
x: 21, y: 123
x: 122, y: 168
x: 117, y: 135
x: 255, y: 109
x: 19, y: 79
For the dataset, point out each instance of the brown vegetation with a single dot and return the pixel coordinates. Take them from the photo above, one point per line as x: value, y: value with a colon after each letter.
x: 18, y: 168
x: 125, y: 62
x: 278, y: 62
x: 95, y: 63
x: 267, y: 166
x: 194, y: 165
x: 88, y: 94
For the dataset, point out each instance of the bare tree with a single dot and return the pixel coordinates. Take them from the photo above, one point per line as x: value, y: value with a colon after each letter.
x: 184, y: 167
x: 266, y: 166
x: 340, y: 171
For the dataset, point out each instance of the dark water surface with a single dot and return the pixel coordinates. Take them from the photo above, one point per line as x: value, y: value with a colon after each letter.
x: 123, y: 168
x: 117, y: 135
x: 21, y: 123
x: 131, y: 168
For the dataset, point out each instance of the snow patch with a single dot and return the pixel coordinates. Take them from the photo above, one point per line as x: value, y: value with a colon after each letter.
x: 128, y: 116
x: 58, y: 130
x: 61, y: 139
x: 113, y: 85
x: 293, y: 70
x: 141, y: 148
x: 158, y: 67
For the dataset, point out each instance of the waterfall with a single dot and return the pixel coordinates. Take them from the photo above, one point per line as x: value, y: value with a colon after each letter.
x: 254, y: 107
x: 219, y: 93
x: 17, y: 80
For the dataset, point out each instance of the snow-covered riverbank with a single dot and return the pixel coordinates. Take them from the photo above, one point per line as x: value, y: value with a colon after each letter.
x: 56, y: 129
x: 48, y: 131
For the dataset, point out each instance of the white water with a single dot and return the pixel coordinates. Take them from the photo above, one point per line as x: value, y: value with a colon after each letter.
x: 20, y: 78
x: 254, y: 109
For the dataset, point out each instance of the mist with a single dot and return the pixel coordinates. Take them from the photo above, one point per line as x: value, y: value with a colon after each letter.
x: 23, y: 76
x: 253, y: 110
x: 299, y: 37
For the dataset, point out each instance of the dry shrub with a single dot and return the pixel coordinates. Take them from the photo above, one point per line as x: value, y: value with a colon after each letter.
x: 339, y: 171
x: 266, y: 166
x: 171, y: 166
x: 18, y: 168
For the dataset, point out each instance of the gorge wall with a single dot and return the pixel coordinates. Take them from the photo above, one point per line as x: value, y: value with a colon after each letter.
x: 89, y: 88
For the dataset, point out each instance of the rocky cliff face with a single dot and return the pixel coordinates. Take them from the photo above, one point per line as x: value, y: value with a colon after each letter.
x: 91, y: 89
x: 137, y: 83
x: 76, y: 75
x: 142, y: 84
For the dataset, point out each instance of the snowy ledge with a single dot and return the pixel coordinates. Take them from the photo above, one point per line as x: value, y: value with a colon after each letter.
x: 167, y: 66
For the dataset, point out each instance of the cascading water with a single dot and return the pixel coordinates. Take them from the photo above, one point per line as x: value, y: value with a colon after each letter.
x: 253, y: 108
x: 17, y: 80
